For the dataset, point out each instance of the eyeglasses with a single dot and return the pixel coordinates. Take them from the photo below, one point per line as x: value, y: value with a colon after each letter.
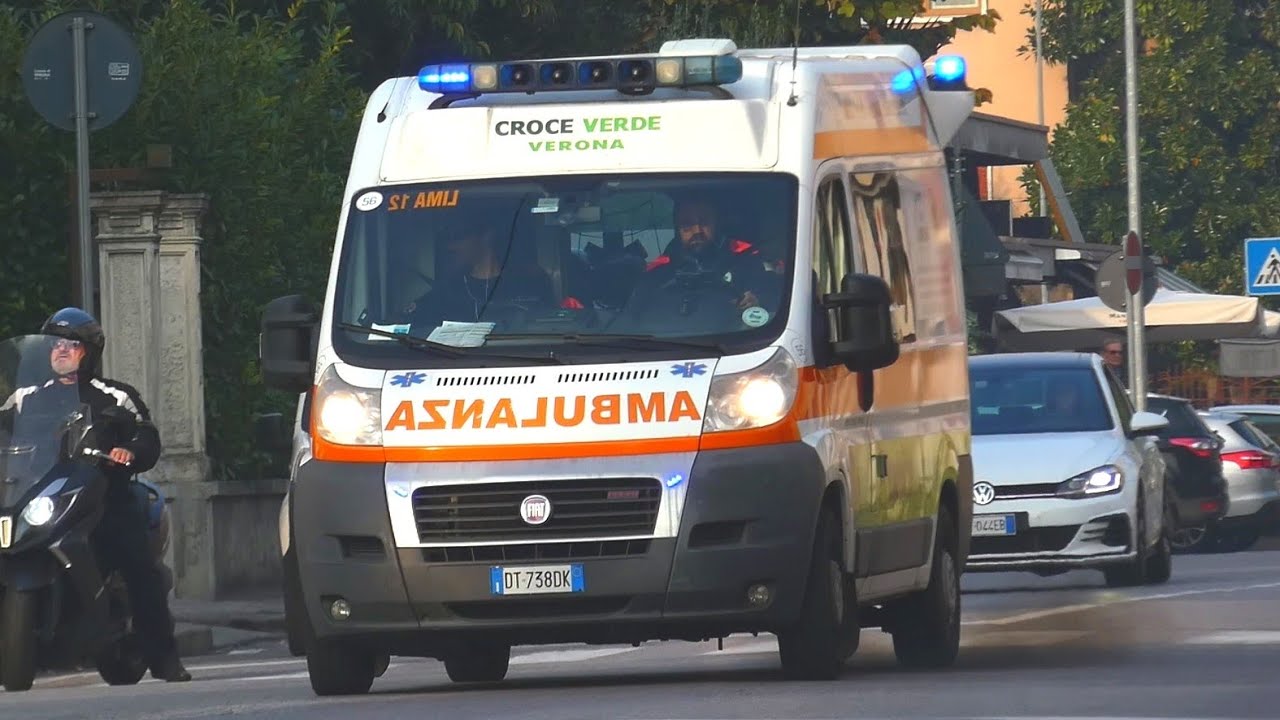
x: 65, y: 344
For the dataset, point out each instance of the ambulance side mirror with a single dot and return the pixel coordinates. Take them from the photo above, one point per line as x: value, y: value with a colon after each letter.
x: 863, y: 311
x: 286, y: 347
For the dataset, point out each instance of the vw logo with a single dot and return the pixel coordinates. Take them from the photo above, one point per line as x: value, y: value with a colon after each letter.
x: 535, y: 509
x: 983, y: 493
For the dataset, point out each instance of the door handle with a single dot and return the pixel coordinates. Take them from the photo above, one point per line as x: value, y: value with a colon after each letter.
x: 881, y: 463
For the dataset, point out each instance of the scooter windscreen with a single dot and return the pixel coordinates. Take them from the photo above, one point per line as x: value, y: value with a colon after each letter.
x: 43, y: 424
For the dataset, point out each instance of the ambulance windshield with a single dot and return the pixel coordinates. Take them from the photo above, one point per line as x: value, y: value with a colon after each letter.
x: 562, y: 264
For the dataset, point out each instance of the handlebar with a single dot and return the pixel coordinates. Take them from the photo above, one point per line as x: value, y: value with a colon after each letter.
x: 93, y: 452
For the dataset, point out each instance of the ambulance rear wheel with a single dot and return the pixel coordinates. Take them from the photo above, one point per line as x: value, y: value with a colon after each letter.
x: 927, y: 631
x: 827, y: 632
x: 337, y: 668
x: 483, y: 662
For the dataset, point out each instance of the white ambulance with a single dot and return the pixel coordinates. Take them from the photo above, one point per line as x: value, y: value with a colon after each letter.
x: 620, y: 349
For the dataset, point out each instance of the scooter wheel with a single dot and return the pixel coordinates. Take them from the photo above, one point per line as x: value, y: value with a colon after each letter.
x: 121, y: 663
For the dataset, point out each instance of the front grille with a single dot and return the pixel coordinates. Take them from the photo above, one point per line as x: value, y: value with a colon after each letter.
x: 487, y: 512
x: 1029, y: 540
x: 1020, y: 492
x: 533, y: 552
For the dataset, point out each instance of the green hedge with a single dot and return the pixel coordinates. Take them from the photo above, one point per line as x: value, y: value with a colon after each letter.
x: 260, y: 115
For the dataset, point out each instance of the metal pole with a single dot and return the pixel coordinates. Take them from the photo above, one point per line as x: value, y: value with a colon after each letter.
x: 80, y: 53
x: 1135, y: 310
x: 1040, y: 88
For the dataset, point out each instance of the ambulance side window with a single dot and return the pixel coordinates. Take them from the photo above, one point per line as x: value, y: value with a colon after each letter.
x: 877, y: 210
x: 832, y: 259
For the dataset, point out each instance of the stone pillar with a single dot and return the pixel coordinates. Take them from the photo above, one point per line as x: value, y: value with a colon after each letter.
x: 129, y: 273
x: 179, y: 405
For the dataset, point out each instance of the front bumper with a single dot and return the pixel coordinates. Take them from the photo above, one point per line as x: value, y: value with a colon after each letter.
x: 1057, y: 533
x: 748, y: 517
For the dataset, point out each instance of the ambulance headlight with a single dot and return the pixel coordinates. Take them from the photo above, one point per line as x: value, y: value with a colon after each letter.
x: 347, y: 415
x: 756, y: 398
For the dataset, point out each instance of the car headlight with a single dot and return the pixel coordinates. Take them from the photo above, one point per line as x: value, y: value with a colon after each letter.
x: 1099, y: 481
x: 755, y: 398
x: 39, y: 512
x: 347, y: 415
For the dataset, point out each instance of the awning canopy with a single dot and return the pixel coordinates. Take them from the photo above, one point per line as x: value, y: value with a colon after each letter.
x: 1171, y: 316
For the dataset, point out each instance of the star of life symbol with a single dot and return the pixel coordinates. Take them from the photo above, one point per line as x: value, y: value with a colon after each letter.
x: 408, y: 379
x: 688, y: 369
x: 1269, y: 275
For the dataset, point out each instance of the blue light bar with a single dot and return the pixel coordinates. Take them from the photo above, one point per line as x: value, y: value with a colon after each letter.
x: 445, y: 78
x: 905, y: 81
x: 949, y: 68
x: 638, y: 74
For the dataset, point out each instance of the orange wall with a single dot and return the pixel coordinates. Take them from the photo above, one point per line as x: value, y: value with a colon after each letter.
x: 994, y: 64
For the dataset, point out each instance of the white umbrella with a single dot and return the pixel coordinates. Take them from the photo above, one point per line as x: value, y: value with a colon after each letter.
x: 1171, y: 316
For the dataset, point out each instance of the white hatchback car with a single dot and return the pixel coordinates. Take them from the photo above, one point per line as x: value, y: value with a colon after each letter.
x: 1066, y: 474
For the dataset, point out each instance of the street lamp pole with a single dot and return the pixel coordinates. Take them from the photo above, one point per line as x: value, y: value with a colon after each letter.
x: 1134, y: 309
x: 1040, y: 86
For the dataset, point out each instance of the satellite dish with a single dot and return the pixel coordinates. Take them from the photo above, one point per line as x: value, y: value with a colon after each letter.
x: 113, y: 70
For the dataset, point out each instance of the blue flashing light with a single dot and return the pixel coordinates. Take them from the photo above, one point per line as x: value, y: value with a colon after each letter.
x: 905, y: 81
x: 445, y: 78
x: 674, y: 479
x: 949, y: 68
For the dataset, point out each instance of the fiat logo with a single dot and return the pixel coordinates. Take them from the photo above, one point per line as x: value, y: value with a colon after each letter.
x: 983, y: 493
x: 535, y: 509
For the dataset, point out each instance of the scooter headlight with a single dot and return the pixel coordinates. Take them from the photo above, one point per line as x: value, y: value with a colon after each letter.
x: 39, y: 512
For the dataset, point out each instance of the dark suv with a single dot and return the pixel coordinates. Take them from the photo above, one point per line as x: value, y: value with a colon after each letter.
x: 1192, y: 453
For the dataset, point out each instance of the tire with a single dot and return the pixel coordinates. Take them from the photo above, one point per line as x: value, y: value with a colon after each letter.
x: 1160, y: 562
x: 816, y: 646
x: 339, y: 669
x: 1133, y: 572
x: 1193, y: 538
x: 18, y: 623
x: 121, y: 663
x: 926, y: 629
x: 486, y: 662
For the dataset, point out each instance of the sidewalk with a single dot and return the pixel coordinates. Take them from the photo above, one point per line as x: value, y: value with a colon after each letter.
x: 208, y: 626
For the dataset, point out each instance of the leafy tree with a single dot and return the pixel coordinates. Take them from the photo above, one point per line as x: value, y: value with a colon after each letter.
x: 260, y: 114
x: 1208, y: 126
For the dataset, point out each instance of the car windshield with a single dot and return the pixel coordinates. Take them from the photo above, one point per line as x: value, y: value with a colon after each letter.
x: 567, y: 264
x: 1254, y: 436
x: 1183, y: 421
x: 1021, y: 400
x: 1266, y: 422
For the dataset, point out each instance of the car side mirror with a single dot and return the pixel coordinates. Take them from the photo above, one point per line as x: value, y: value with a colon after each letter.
x: 1146, y: 423
x: 863, y: 312
x: 286, y: 347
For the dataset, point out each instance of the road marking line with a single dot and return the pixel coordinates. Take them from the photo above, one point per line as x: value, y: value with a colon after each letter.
x: 1037, y: 614
x: 751, y: 648
x: 1236, y: 637
x: 561, y: 656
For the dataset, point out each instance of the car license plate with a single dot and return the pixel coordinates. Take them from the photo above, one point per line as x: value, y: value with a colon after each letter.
x: 988, y: 525
x: 536, y: 579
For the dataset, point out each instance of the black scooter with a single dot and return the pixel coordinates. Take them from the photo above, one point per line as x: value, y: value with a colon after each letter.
x: 57, y: 610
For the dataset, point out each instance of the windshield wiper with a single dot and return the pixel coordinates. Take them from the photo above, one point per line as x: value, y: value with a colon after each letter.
x: 421, y: 343
x: 617, y: 339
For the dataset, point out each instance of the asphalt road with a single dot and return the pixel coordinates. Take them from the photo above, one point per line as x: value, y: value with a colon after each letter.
x: 1206, y: 645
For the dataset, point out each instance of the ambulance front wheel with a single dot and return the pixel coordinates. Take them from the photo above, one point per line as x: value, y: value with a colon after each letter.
x: 337, y: 668
x: 827, y: 632
x: 481, y: 662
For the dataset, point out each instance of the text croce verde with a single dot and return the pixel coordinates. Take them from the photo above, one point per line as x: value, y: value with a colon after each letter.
x: 578, y: 134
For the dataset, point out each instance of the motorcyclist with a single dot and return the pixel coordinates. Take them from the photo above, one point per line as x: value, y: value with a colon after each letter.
x: 121, y: 535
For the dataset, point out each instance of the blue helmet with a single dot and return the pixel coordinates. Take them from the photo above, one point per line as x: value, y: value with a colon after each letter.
x: 76, y: 324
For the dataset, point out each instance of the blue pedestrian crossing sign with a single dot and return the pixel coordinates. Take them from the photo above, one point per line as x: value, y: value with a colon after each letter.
x: 1262, y: 266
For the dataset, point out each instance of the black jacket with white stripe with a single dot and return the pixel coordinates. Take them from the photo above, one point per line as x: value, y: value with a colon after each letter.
x: 98, y: 394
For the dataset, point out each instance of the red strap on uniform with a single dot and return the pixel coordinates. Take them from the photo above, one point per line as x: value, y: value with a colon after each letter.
x: 657, y: 263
